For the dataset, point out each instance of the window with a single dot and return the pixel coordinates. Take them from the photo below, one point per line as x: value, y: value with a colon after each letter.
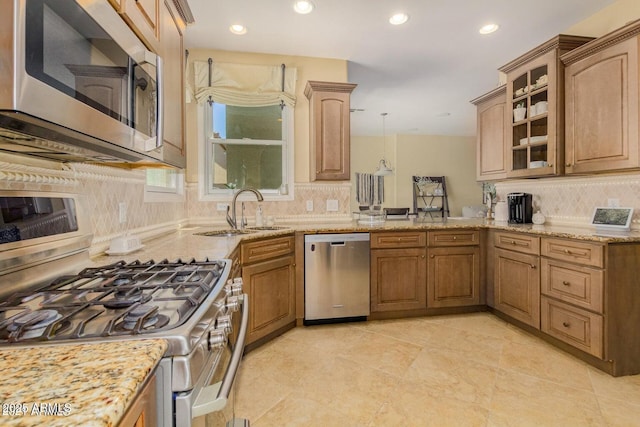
x: 164, y: 185
x: 248, y: 147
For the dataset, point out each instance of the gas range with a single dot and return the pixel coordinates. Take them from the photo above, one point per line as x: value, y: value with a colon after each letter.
x: 51, y: 292
x: 119, y: 300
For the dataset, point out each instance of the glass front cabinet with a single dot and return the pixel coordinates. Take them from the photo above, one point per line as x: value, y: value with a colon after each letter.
x: 535, y: 109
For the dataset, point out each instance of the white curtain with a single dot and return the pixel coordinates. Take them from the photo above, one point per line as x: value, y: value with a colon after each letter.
x: 244, y: 85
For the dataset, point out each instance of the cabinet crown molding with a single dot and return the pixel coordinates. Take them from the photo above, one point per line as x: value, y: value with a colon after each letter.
x: 313, y: 85
x: 562, y: 42
x: 499, y: 91
x: 623, y: 33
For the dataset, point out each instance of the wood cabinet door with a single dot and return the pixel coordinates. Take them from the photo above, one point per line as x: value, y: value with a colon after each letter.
x: 517, y: 286
x: 453, y: 276
x: 491, y: 145
x: 143, y: 16
x: 271, y: 289
x: 174, y: 96
x: 602, y: 110
x: 398, y: 279
x: 330, y: 130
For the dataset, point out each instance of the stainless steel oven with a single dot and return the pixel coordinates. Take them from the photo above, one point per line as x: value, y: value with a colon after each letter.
x: 76, y: 82
x: 52, y: 293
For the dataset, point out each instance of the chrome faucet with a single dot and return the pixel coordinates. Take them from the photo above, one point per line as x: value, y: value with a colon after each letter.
x: 232, y: 219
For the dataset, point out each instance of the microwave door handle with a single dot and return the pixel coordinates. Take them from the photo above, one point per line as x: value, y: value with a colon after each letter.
x: 147, y: 57
x: 160, y: 105
x: 214, y: 397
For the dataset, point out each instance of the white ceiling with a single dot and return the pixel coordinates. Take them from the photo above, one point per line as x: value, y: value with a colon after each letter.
x: 423, y: 73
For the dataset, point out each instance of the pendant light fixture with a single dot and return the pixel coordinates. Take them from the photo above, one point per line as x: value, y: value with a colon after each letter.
x: 384, y: 168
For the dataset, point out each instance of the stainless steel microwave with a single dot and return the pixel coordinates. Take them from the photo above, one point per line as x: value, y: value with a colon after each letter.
x: 76, y: 83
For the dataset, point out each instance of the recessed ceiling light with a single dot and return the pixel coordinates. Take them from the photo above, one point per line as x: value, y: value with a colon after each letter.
x: 238, y: 29
x: 303, y: 6
x: 488, y: 29
x: 399, y: 18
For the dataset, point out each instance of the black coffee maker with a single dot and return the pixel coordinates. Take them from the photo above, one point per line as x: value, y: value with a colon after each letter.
x: 520, y: 209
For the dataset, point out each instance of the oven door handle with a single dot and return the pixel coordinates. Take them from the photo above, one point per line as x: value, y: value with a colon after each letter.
x: 205, y: 403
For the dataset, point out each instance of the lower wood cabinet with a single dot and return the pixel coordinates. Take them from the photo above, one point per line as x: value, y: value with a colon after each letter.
x: 398, y: 279
x: 270, y: 284
x: 580, y: 328
x: 453, y: 276
x: 517, y: 286
x: 142, y: 412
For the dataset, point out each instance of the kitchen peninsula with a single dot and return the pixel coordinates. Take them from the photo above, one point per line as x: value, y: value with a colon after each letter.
x: 569, y: 298
x: 79, y: 384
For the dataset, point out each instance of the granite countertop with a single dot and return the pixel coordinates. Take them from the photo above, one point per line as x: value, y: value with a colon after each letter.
x: 186, y: 243
x: 82, y: 384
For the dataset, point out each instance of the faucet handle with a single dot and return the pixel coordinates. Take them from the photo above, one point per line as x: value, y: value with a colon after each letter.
x: 243, y: 219
x: 230, y: 220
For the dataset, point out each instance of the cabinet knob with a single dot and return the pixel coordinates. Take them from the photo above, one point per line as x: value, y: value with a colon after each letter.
x: 568, y: 165
x: 567, y: 251
x: 550, y: 165
x: 532, y: 266
x: 566, y: 324
x: 513, y: 242
x: 432, y: 256
x: 564, y: 282
x: 455, y: 237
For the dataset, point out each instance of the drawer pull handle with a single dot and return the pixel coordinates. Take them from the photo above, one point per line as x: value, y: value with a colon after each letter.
x: 566, y: 324
x: 564, y: 282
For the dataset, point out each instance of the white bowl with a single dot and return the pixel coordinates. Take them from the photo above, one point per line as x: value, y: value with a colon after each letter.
x: 537, y: 164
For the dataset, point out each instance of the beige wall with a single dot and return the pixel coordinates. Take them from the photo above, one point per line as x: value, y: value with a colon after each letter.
x: 430, y: 155
x: 332, y: 70
x: 608, y: 19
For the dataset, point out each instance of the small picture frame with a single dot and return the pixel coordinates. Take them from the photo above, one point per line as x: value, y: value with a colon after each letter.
x: 608, y: 219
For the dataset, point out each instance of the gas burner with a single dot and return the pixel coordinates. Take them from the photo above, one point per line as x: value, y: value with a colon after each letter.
x: 186, y: 277
x: 32, y: 324
x: 116, y: 281
x: 150, y: 316
x: 124, y: 298
x: 34, y: 320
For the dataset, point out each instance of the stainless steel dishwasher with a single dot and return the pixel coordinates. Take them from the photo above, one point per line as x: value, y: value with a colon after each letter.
x: 336, y: 277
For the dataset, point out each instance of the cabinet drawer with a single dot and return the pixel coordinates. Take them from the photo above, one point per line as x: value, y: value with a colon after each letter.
x: 453, y: 238
x: 574, y: 251
x: 265, y: 249
x: 518, y: 242
x: 577, y: 327
x: 581, y: 286
x: 404, y: 239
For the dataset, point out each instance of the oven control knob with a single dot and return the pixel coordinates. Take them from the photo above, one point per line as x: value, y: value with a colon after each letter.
x: 236, y: 286
x: 233, y: 304
x: 217, y: 338
x: 228, y: 287
x: 224, y: 322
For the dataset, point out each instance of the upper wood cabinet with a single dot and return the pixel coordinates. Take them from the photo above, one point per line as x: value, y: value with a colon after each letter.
x: 602, y: 96
x: 492, y: 125
x: 144, y: 17
x: 172, y: 50
x: 330, y: 131
x: 535, y: 104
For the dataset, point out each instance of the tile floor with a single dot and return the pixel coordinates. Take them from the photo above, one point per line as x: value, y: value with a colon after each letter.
x: 462, y: 370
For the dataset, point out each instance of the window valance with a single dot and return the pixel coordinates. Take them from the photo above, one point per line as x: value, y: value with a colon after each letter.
x: 244, y: 85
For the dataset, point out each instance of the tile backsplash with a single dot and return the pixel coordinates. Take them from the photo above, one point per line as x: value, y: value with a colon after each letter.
x: 570, y: 201
x: 563, y: 200
x: 103, y: 188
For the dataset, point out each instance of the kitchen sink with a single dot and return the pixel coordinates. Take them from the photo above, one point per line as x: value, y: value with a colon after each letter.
x: 225, y: 233
x: 266, y: 228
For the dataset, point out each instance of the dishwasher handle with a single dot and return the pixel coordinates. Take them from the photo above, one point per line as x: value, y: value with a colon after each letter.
x: 337, y: 243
